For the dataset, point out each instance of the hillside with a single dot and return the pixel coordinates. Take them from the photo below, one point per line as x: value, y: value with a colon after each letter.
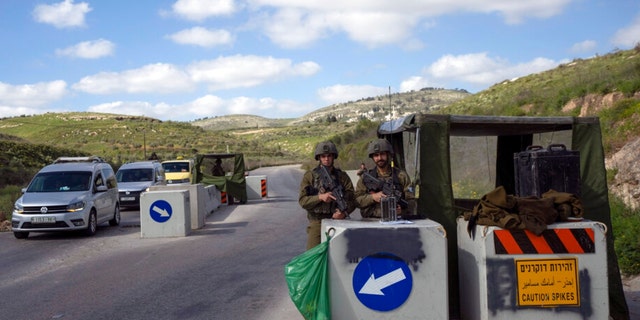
x: 375, y: 109
x: 606, y: 86
x: 240, y: 121
x: 579, y: 88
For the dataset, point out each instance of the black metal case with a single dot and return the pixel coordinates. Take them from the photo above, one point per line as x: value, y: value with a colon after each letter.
x: 538, y: 170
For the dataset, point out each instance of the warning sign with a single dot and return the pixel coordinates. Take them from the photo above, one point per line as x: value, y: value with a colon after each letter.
x: 548, y: 282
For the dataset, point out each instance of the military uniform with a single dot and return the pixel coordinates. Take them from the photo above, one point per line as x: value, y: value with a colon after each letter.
x: 368, y: 207
x: 317, y: 210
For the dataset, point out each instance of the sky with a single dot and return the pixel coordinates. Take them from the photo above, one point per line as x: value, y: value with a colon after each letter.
x: 183, y: 60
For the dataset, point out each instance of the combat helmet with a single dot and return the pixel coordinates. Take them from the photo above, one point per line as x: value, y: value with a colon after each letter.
x: 379, y: 145
x: 326, y: 147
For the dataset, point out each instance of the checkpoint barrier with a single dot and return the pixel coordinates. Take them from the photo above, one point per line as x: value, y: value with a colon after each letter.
x: 387, y: 271
x: 223, y: 197
x: 204, y: 200
x: 256, y: 187
x: 515, y: 274
x: 165, y: 214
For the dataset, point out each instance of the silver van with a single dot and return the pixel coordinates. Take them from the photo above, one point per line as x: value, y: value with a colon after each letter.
x: 73, y: 193
x: 134, y: 178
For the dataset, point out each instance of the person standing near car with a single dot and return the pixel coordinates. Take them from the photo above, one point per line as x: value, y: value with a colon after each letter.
x: 319, y: 202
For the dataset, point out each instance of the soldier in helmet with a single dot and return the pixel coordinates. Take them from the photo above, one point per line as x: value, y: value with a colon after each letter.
x: 381, y: 152
x: 319, y: 202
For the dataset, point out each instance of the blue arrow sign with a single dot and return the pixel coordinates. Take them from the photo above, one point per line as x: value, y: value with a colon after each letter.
x: 160, y: 211
x: 382, y: 282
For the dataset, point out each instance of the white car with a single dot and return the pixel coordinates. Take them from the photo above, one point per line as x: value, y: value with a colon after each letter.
x: 134, y: 178
x: 73, y: 193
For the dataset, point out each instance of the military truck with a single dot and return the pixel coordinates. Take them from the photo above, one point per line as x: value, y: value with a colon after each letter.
x: 454, y: 159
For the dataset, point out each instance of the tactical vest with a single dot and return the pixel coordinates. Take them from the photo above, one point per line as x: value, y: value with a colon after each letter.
x: 373, y: 211
x: 323, y: 210
x: 394, y: 177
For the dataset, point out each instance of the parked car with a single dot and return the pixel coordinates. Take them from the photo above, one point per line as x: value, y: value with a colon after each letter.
x: 73, y: 193
x: 134, y: 178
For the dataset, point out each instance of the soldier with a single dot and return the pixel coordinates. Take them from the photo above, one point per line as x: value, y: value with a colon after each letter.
x: 217, y: 168
x: 367, y: 198
x: 321, y: 201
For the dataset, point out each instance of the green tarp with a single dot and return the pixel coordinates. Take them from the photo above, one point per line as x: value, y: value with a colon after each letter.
x: 234, y: 184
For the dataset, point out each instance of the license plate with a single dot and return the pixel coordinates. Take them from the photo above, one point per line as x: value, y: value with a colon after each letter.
x: 43, y: 219
x: 127, y: 199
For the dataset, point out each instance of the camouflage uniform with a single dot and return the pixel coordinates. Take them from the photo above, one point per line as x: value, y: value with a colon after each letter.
x: 316, y: 209
x: 368, y: 207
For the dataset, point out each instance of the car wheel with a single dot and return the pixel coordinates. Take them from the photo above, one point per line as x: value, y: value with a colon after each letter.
x: 116, y: 217
x: 92, y: 225
x: 20, y: 234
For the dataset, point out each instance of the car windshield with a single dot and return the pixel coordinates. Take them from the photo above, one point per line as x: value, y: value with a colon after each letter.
x: 134, y: 175
x: 61, y: 181
x: 176, y: 167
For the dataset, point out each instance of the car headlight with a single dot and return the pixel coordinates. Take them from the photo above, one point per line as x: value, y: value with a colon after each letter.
x: 78, y: 206
x: 17, y: 208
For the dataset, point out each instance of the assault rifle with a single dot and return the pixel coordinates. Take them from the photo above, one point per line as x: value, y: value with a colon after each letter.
x: 330, y: 185
x: 374, y: 184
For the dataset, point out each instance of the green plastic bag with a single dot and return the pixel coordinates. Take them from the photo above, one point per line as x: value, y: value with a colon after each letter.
x: 308, y: 282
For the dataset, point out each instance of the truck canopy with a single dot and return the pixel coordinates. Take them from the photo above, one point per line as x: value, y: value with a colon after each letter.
x: 423, y: 146
x: 233, y: 182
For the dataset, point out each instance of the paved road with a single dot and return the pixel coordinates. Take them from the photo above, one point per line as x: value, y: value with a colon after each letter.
x: 230, y: 269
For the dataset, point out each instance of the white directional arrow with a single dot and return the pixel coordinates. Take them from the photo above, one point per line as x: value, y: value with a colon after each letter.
x: 162, y: 212
x: 375, y: 286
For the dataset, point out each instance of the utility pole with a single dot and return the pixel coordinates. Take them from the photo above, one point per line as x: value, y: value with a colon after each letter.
x: 390, y: 106
x: 144, y: 142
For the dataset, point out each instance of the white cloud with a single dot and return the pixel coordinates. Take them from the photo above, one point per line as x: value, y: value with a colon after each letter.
x: 64, y: 14
x: 31, y: 95
x: 202, y: 37
x: 198, y: 10
x: 134, y: 108
x: 88, y: 49
x: 294, y: 23
x: 247, y: 71
x: 628, y: 37
x: 153, y: 78
x: 343, y: 93
x: 205, y: 106
x: 11, y: 111
x: 292, y: 28
x: 211, y: 106
x: 414, y: 83
x: 481, y: 70
x: 222, y: 73
x: 584, y: 46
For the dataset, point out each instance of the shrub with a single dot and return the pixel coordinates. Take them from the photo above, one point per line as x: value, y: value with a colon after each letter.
x: 626, y: 232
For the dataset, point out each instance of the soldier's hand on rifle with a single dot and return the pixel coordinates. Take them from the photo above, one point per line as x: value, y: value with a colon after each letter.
x: 377, y: 196
x: 326, y: 197
x: 339, y: 215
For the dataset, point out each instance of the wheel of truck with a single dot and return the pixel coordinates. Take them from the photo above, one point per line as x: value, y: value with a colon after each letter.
x: 92, y: 224
x: 116, y: 217
x: 20, y: 234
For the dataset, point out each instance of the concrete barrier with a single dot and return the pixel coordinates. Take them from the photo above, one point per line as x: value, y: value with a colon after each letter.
x: 256, y: 187
x: 204, y: 200
x: 165, y: 214
x: 387, y: 271
x: 516, y: 274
